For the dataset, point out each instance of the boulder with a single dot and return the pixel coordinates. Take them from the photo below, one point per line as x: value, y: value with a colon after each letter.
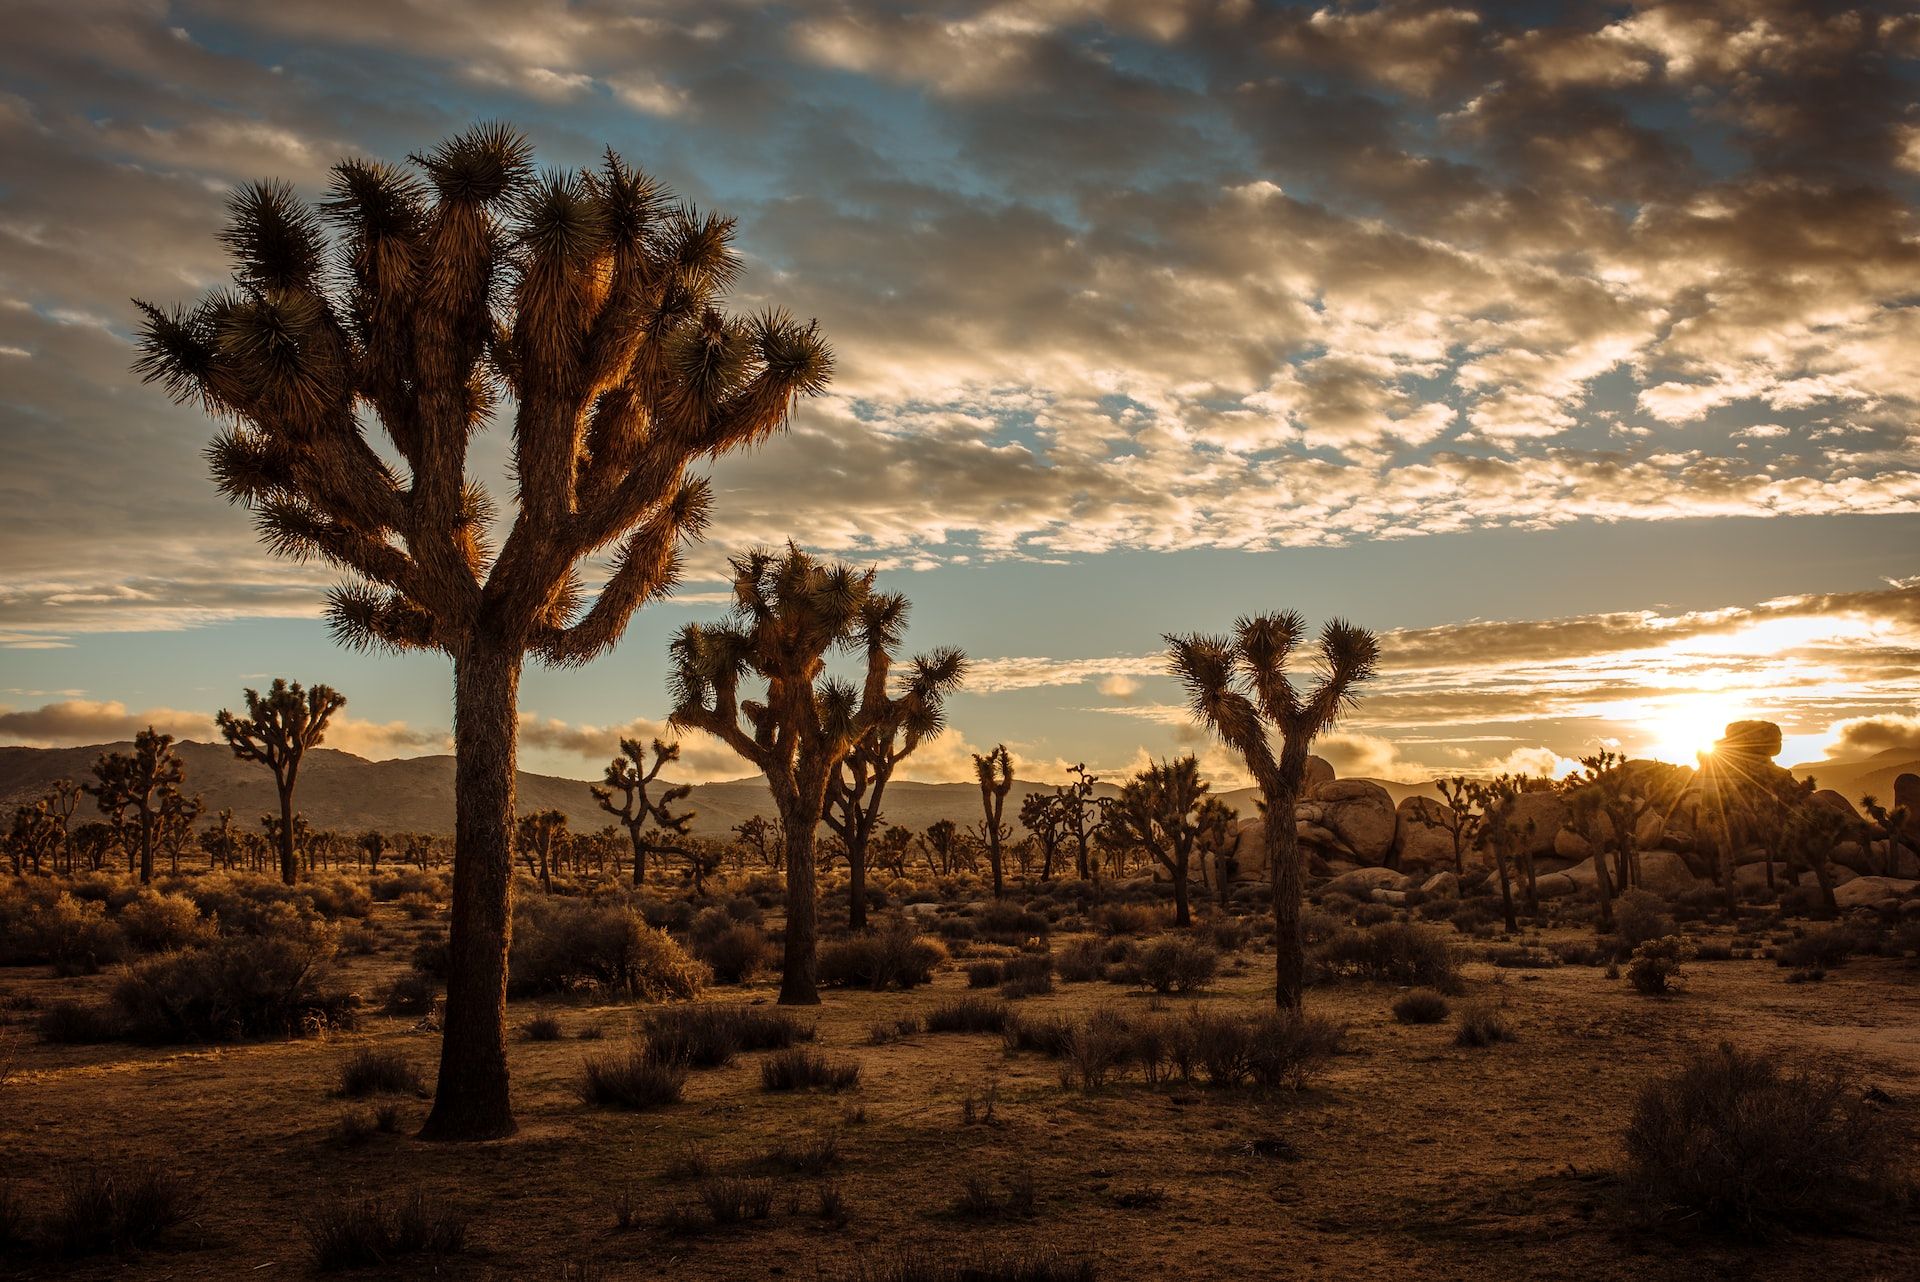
x: 1353, y: 817
x: 1555, y: 885
x: 1568, y: 844
x: 1536, y: 821
x: 1752, y: 878
x: 1361, y: 881
x: 1442, y: 885
x: 1868, y: 892
x: 1319, y: 771
x: 1835, y: 802
x: 1391, y: 898
x: 1419, y: 842
x: 1851, y: 854
x: 1665, y: 873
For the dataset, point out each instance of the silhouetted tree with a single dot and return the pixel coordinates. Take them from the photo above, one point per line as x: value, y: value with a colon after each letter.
x: 592, y: 301
x: 1502, y: 832
x: 276, y: 732
x: 1239, y: 688
x: 994, y: 771
x: 941, y: 842
x: 1455, y: 816
x: 890, y: 848
x: 1044, y: 815
x: 636, y: 810
x: 220, y: 841
x: 1217, y: 836
x: 1082, y: 813
x: 1157, y: 810
x: 790, y: 612
x: 764, y: 837
x: 1812, y: 831
x: 542, y: 837
x: 144, y: 781
x: 1585, y: 796
x: 1894, y: 828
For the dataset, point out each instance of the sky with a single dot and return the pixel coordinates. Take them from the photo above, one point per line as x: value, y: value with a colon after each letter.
x: 1571, y: 347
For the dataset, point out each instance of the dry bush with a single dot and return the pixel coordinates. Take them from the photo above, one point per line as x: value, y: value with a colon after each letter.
x: 735, y: 954
x: 710, y: 1035
x: 631, y: 1080
x: 1133, y: 919
x: 1656, y: 968
x: 1082, y: 961
x: 1641, y: 915
x: 68, y: 1023
x: 735, y: 1198
x: 1048, y: 1035
x: 378, y: 1072
x: 1001, y: 922
x: 800, y: 1069
x: 1821, y: 948
x: 543, y: 1028
x: 413, y: 993
x: 572, y: 946
x: 356, y: 1233
x: 983, y: 974
x: 968, y: 1015
x: 893, y: 958
x: 1176, y: 964
x: 1027, y: 975
x: 1099, y: 1046
x: 435, y: 886
x: 1519, y: 957
x: 977, y: 1199
x: 153, y: 923
x: 1482, y: 1024
x: 97, y: 1211
x: 1741, y: 1143
x: 993, y: 1264
x: 1396, y: 952
x: 1421, y: 1006
x: 805, y: 1157
x: 357, y: 1126
x: 247, y: 986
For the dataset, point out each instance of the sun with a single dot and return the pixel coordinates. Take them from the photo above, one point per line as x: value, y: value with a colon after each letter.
x: 1683, y: 729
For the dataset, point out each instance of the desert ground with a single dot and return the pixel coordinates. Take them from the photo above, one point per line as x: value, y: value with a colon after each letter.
x: 1408, y: 1155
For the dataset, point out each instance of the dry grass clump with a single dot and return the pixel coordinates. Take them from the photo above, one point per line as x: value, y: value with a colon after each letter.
x: 1027, y: 975
x: 1421, y: 1006
x: 98, y: 1211
x: 68, y: 1023
x: 1482, y: 1024
x: 978, y: 1200
x: 1821, y: 948
x: 711, y: 1035
x: 734, y: 954
x: 1738, y: 1142
x: 575, y: 946
x: 632, y: 1079
x: 1270, y: 1051
x: 1176, y: 964
x: 543, y: 1028
x: 357, y: 1233
x: 800, y: 1069
x: 993, y: 1264
x: 814, y: 1156
x: 968, y: 1015
x: 378, y: 1072
x: 236, y: 988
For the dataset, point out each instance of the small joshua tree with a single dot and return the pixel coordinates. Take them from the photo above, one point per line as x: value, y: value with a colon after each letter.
x: 1455, y: 816
x: 1217, y: 836
x: 276, y: 732
x: 1239, y: 688
x: 1044, y: 815
x: 995, y: 774
x: 903, y: 719
x: 1503, y: 834
x: 146, y: 782
x: 790, y: 612
x: 941, y: 842
x: 636, y: 810
x: 1812, y: 832
x: 542, y: 838
x: 587, y: 306
x: 1083, y: 813
x: 1158, y: 810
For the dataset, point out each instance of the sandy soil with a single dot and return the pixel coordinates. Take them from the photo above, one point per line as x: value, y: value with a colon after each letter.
x: 1415, y: 1157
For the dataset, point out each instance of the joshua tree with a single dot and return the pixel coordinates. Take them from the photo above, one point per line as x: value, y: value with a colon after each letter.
x: 1158, y: 810
x: 1239, y: 688
x: 34, y: 839
x: 1503, y: 835
x: 220, y: 841
x: 995, y: 774
x: 1811, y: 833
x: 1218, y: 837
x: 144, y: 781
x: 902, y: 720
x: 1044, y: 815
x: 1455, y: 816
x: 542, y: 838
x: 61, y: 801
x: 890, y: 848
x: 178, y: 814
x: 790, y: 611
x: 1082, y: 812
x: 1894, y: 828
x: 941, y: 842
x: 279, y: 833
x: 636, y: 810
x: 590, y: 303
x: 764, y: 837
x: 276, y: 732
x: 1586, y: 803
x: 92, y: 842
x: 373, y: 843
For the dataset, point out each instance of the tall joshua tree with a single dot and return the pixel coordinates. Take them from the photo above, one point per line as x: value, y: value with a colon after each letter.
x: 146, y: 782
x: 1239, y: 688
x: 790, y: 611
x: 995, y: 774
x: 587, y: 302
x: 902, y: 719
x: 1158, y: 810
x: 276, y: 732
x: 636, y: 810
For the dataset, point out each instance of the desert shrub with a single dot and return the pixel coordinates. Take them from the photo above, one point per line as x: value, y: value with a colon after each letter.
x: 892, y: 958
x: 1581, y: 952
x: 154, y: 922
x: 1819, y: 948
x: 1288, y: 1048
x: 1229, y: 934
x: 1081, y: 962
x: 735, y: 954
x: 1656, y: 966
x: 336, y: 897
x: 417, y: 907
x: 1640, y: 915
x: 983, y: 974
x: 1099, y: 1046
x: 357, y: 1126
x: 1028, y: 975
x: 1176, y: 964
x: 1396, y: 952
x: 968, y: 1015
x: 710, y: 1034
x: 1048, y: 1035
x: 1712, y: 950
x: 1482, y: 1024
x: 570, y: 946
x: 1005, y: 923
x: 75, y: 936
x: 412, y: 881
x: 96, y: 1210
x: 800, y: 1069
x: 1373, y: 914
x: 1421, y: 1006
x: 1475, y: 916
x: 1133, y: 919
x: 957, y: 930
x: 543, y: 1028
x: 378, y: 1072
x: 977, y: 1199
x: 631, y: 1079
x: 430, y: 957
x: 69, y: 1023
x: 1519, y: 957
x: 413, y: 993
x: 237, y: 987
x: 1741, y: 1142
x: 814, y: 1156
x: 883, y: 1031
x: 356, y: 1233
x: 993, y: 1264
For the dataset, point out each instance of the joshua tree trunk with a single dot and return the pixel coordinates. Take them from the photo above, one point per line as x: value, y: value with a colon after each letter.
x: 1604, y: 884
x: 289, y: 862
x: 639, y: 856
x: 1283, y: 874
x: 799, y: 969
x: 1181, y: 915
x: 471, y: 1102
x: 1506, y: 890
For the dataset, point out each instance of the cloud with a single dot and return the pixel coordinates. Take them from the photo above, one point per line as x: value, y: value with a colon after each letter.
x: 1123, y: 688
x: 703, y: 759
x: 1865, y: 736
x: 379, y: 740
x: 75, y: 722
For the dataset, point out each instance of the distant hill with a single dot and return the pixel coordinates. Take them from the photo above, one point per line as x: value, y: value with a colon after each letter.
x: 1866, y: 777
x: 415, y: 794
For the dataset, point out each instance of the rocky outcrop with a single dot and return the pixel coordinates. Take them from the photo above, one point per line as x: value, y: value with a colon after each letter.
x: 1418, y: 837
x: 1874, y: 892
x: 1349, y: 819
